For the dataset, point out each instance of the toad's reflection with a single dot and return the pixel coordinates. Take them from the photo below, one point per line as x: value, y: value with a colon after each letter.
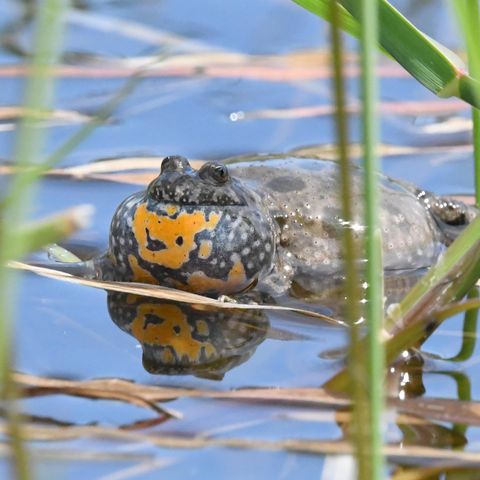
x: 181, y: 339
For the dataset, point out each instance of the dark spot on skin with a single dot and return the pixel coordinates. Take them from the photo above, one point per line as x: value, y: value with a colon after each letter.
x: 179, y: 241
x: 284, y: 241
x: 331, y: 229
x: 281, y: 222
x: 286, y: 184
x: 151, y: 319
x: 152, y: 244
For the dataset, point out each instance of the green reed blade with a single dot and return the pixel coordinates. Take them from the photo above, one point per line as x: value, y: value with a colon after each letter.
x: 429, y: 62
x: 351, y: 251
x: 464, y: 393
x: 454, y: 275
x: 29, y: 143
x: 34, y: 171
x: 468, y: 306
x: 450, y: 280
x: 469, y: 331
x: 464, y: 385
x: 373, y: 237
x: 48, y: 230
x: 469, y: 17
x: 322, y: 8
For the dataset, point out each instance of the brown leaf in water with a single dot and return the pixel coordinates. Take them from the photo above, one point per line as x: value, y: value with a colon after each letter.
x: 207, y: 64
x: 329, y: 152
x: 164, y: 293
x: 76, y: 454
x: 10, y: 116
x: 132, y: 170
x: 96, y: 389
x: 126, y: 170
x: 149, y: 394
x: 443, y: 410
x: 132, y: 178
x: 418, y: 108
x: 117, y: 165
x: 122, y: 170
x: 425, y: 454
x: 67, y: 116
x: 343, y: 416
x: 425, y: 473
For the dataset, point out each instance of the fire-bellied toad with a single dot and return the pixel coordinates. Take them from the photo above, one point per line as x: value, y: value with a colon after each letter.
x: 274, y: 222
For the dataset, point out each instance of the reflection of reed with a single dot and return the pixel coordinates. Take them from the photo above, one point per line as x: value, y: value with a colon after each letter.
x: 188, y: 339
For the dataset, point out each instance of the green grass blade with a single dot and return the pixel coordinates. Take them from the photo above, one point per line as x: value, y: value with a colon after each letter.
x: 322, y: 8
x: 361, y: 434
x: 469, y: 16
x: 453, y: 276
x: 31, y: 173
x: 450, y: 280
x: 468, y: 306
x: 469, y: 332
x: 49, y: 230
x: 432, y: 64
x: 373, y: 237
x: 412, y: 49
x: 29, y: 144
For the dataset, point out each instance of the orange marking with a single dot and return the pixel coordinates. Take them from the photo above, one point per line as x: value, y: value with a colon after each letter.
x: 171, y: 209
x: 167, y: 230
x: 205, y: 249
x: 236, y: 281
x: 202, y: 328
x: 173, y: 331
x: 132, y: 298
x: 167, y: 356
x: 139, y: 273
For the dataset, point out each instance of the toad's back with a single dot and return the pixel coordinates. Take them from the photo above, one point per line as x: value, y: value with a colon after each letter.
x: 303, y: 197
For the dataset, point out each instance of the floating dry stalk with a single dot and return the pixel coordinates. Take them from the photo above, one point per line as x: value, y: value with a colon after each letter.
x: 312, y: 399
x: 164, y: 293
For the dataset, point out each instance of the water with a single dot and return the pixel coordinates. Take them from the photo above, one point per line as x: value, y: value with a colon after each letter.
x: 65, y: 331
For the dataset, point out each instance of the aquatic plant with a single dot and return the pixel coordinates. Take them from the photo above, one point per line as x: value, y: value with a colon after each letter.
x: 443, y: 73
x: 17, y: 236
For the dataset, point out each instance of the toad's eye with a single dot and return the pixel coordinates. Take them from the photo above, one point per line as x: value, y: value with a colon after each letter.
x: 450, y: 213
x: 214, y: 171
x: 455, y: 216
